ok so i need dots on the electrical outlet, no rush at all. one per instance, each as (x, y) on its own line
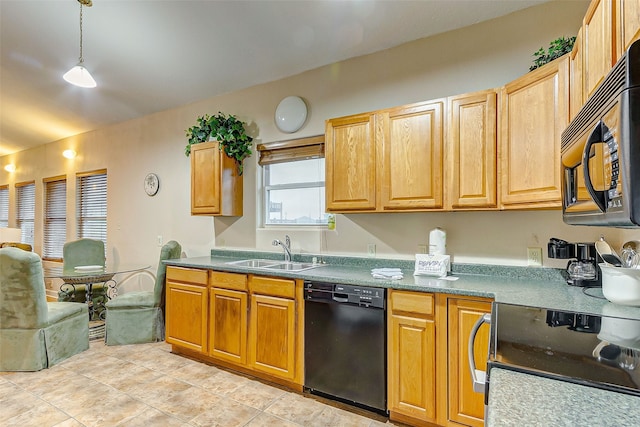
(159, 240)
(422, 249)
(534, 257)
(371, 249)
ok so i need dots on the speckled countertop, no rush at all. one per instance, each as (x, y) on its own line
(538, 287)
(515, 398)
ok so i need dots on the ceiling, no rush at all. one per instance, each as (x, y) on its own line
(150, 56)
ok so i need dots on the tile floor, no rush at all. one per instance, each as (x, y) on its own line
(147, 385)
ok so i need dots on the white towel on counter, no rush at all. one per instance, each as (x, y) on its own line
(387, 273)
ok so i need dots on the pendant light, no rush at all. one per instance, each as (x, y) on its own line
(79, 75)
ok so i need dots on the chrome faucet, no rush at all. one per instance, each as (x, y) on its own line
(286, 246)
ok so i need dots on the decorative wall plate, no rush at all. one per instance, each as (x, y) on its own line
(151, 184)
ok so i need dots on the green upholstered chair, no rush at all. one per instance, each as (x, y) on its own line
(35, 334)
(84, 252)
(137, 317)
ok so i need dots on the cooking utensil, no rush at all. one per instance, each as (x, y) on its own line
(630, 254)
(606, 252)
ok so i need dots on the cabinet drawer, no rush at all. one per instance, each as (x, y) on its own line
(190, 275)
(233, 281)
(271, 286)
(413, 302)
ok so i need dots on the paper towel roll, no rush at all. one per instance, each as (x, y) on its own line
(437, 241)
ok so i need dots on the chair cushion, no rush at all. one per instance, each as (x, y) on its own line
(141, 299)
(61, 310)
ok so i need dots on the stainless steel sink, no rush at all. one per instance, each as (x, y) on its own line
(254, 263)
(293, 266)
(274, 265)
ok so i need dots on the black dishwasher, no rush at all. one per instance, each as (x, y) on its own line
(345, 344)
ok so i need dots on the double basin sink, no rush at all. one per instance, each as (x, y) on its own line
(274, 265)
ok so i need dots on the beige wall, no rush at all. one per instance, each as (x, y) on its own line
(479, 57)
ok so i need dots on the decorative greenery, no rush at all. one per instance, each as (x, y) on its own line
(557, 48)
(227, 130)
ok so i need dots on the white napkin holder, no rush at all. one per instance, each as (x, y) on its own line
(432, 265)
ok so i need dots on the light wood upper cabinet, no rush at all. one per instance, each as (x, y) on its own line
(470, 157)
(410, 140)
(228, 317)
(411, 356)
(272, 328)
(599, 43)
(216, 187)
(466, 406)
(576, 81)
(186, 308)
(350, 159)
(628, 24)
(534, 112)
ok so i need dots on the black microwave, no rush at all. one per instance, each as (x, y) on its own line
(600, 152)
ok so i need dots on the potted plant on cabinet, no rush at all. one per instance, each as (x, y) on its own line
(227, 130)
(557, 48)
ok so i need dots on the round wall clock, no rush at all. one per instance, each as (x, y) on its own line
(151, 184)
(291, 114)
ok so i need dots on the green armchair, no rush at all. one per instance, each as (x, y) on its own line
(84, 252)
(35, 334)
(137, 317)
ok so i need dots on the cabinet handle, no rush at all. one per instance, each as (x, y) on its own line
(477, 377)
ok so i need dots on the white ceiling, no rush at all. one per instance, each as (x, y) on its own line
(149, 56)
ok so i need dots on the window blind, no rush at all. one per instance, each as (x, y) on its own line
(291, 150)
(55, 218)
(26, 195)
(4, 206)
(92, 206)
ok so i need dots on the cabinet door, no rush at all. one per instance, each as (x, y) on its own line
(466, 406)
(350, 159)
(216, 187)
(272, 336)
(534, 114)
(228, 325)
(410, 140)
(186, 315)
(599, 43)
(411, 356)
(576, 82)
(471, 151)
(628, 22)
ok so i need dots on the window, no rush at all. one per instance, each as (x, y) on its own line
(26, 194)
(55, 218)
(92, 205)
(293, 174)
(4, 206)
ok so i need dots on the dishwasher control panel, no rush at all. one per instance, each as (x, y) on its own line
(348, 294)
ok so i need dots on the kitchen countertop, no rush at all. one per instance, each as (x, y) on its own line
(538, 287)
(515, 398)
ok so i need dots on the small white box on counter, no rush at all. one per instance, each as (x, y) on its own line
(432, 265)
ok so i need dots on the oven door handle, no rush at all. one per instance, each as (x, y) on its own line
(478, 377)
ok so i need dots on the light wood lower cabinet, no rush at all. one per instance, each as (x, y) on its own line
(411, 356)
(228, 305)
(186, 308)
(465, 406)
(245, 322)
(428, 374)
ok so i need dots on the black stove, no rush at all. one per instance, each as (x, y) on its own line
(594, 350)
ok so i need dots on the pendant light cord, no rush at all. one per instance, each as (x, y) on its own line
(81, 58)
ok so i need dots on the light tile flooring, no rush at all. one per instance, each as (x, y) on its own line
(147, 385)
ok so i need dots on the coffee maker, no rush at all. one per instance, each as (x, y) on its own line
(582, 268)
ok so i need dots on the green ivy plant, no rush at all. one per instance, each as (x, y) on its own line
(557, 48)
(227, 130)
